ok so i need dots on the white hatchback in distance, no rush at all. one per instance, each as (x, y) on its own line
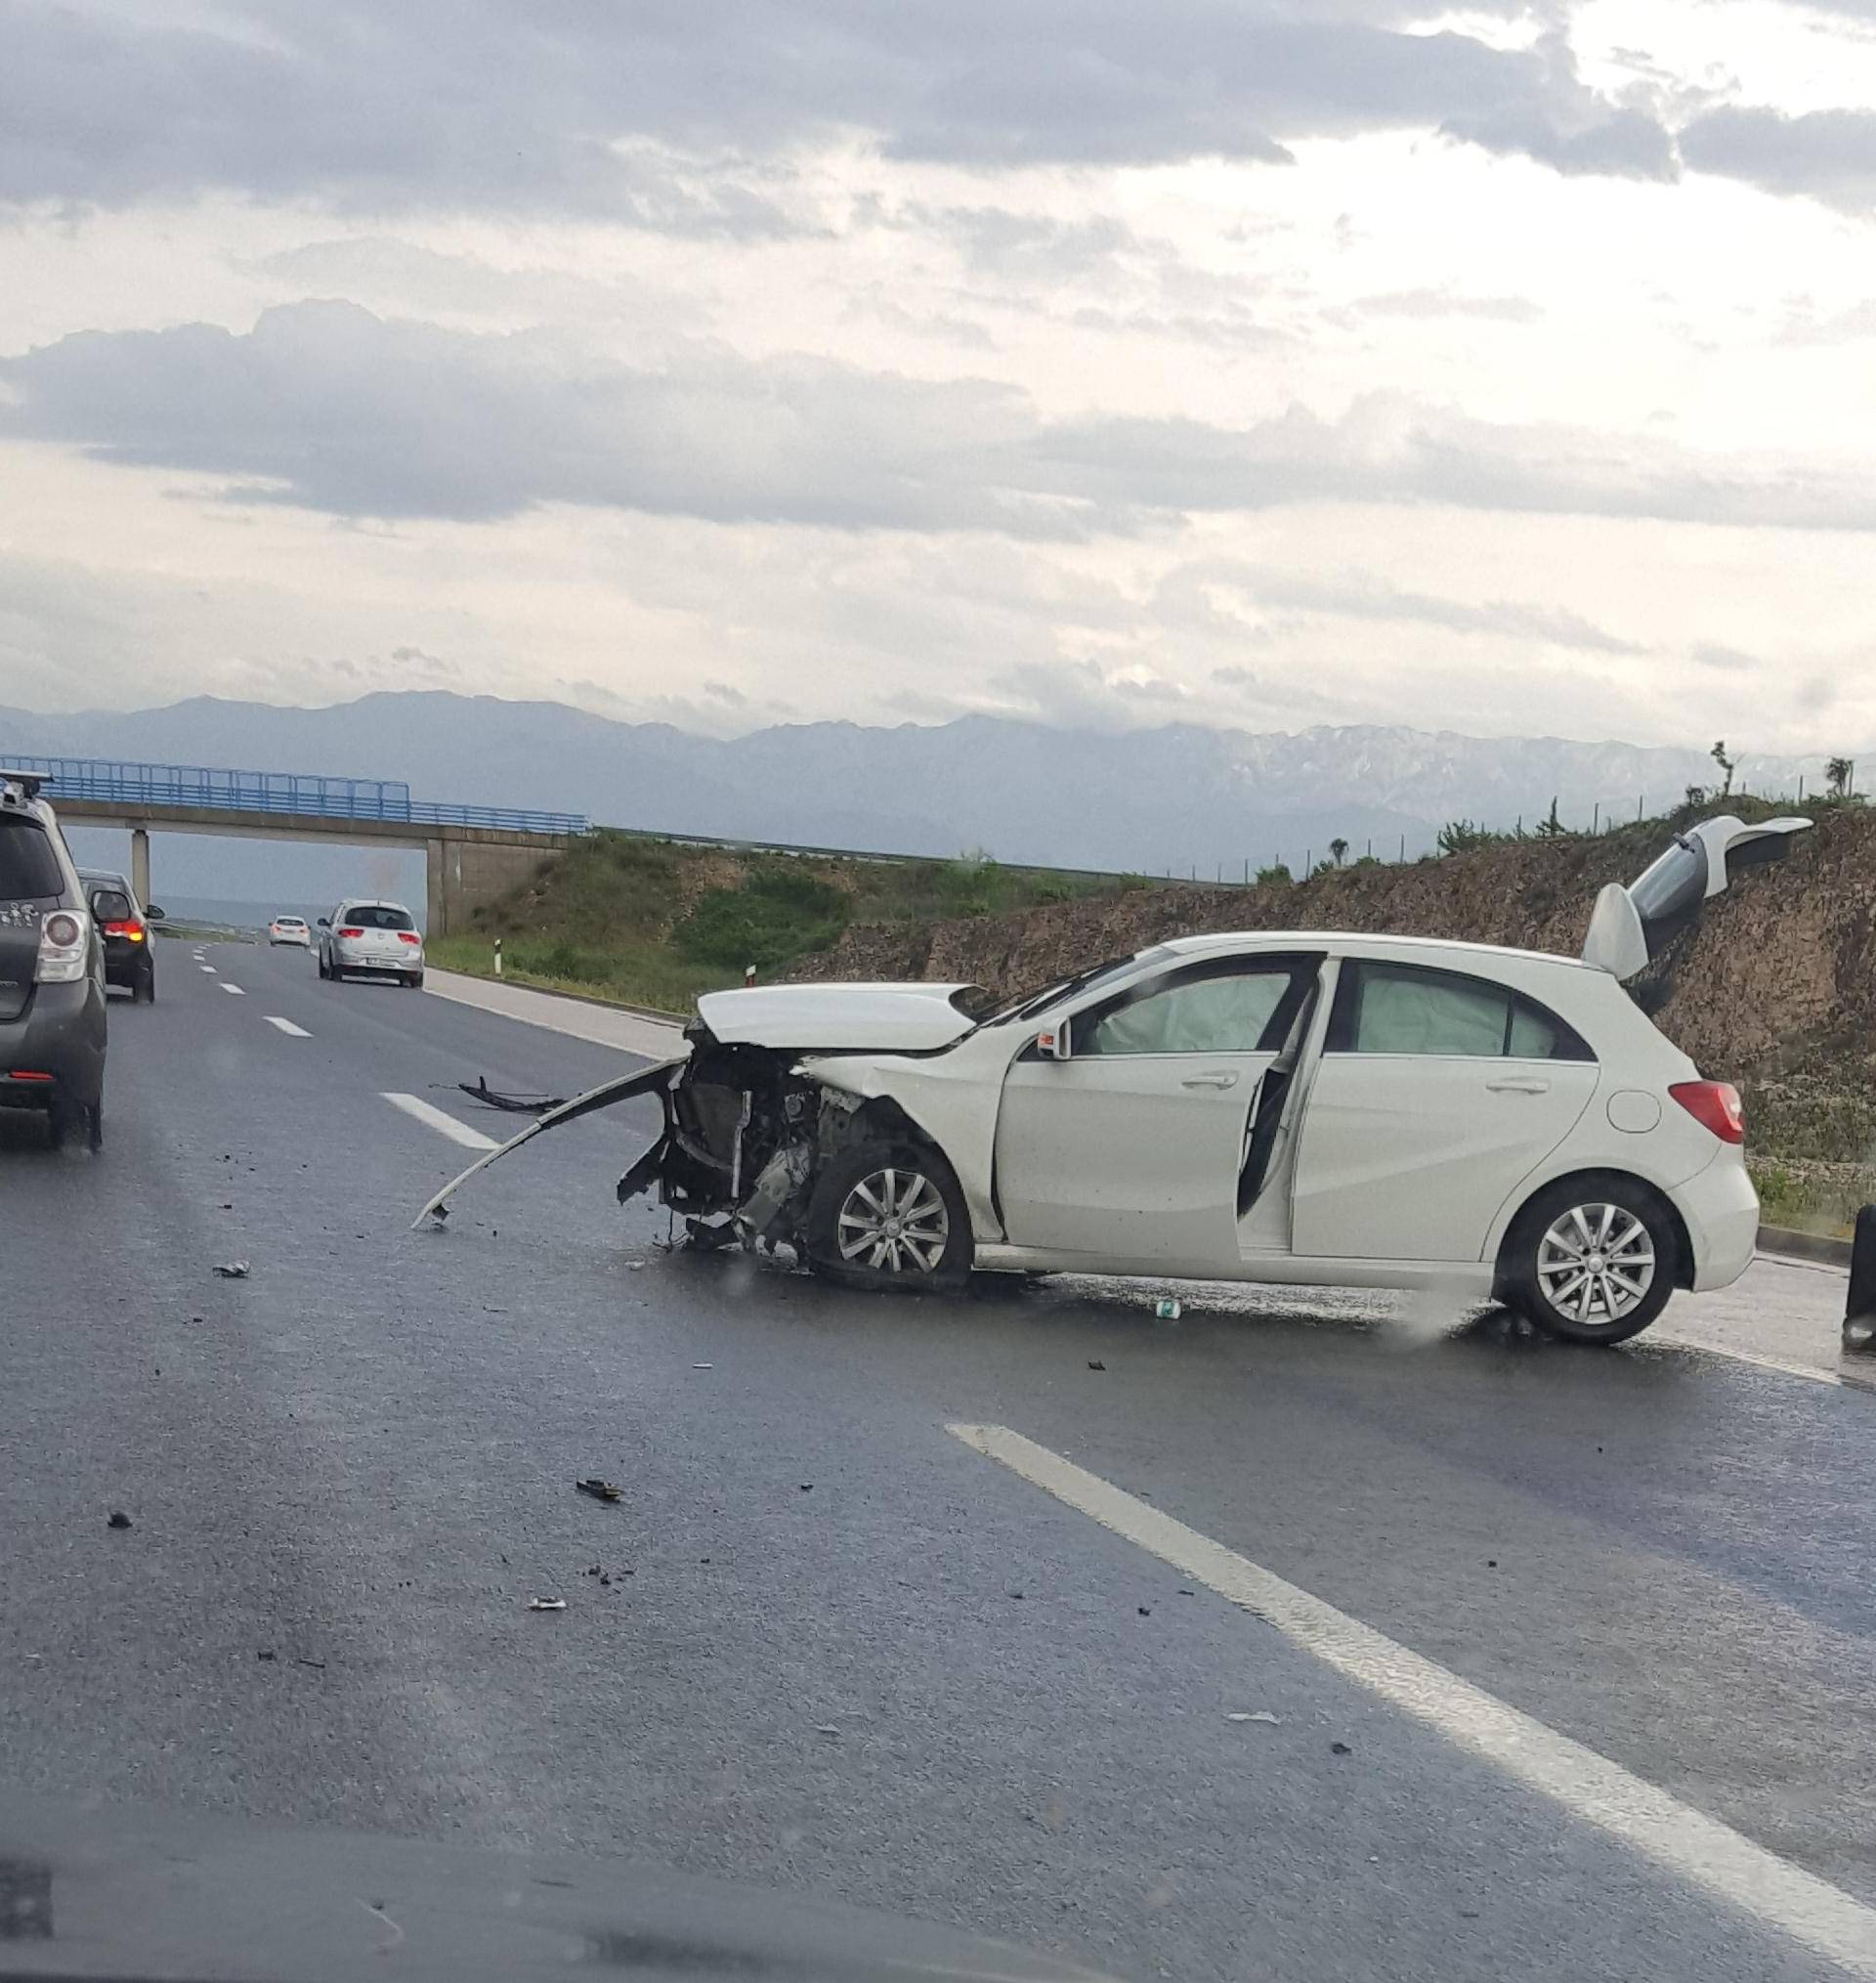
(1305, 1106)
(289, 929)
(371, 939)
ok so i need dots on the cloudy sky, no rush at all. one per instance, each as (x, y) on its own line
(1118, 361)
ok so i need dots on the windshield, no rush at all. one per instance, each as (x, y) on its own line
(29, 867)
(1027, 1004)
(371, 915)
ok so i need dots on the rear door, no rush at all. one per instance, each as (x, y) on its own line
(1436, 1094)
(31, 883)
(1132, 1149)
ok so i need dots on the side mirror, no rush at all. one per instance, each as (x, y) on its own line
(1052, 1042)
(325, 923)
(152, 913)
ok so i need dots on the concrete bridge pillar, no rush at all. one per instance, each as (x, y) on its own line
(140, 864)
(467, 868)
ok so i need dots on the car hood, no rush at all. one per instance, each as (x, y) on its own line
(897, 1019)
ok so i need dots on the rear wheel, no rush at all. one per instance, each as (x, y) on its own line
(890, 1214)
(144, 991)
(1590, 1260)
(64, 1121)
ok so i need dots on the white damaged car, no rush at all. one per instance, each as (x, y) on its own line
(1298, 1107)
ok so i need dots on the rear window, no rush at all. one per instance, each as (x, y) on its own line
(29, 870)
(291, 922)
(363, 916)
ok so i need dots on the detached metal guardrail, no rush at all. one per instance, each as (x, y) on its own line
(114, 782)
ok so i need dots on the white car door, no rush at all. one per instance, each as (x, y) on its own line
(1438, 1092)
(1131, 1149)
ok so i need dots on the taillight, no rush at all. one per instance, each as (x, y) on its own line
(409, 936)
(351, 932)
(1715, 1106)
(134, 930)
(63, 948)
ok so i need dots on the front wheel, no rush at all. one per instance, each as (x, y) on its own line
(1590, 1260)
(890, 1215)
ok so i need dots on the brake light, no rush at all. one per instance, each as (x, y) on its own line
(351, 932)
(409, 936)
(1715, 1106)
(63, 948)
(25, 1074)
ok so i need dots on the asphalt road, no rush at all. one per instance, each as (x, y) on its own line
(840, 1650)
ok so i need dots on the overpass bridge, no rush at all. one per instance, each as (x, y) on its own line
(473, 854)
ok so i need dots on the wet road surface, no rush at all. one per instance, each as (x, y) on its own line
(832, 1648)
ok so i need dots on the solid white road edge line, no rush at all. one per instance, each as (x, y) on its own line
(447, 1125)
(1752, 1356)
(1684, 1841)
(234, 988)
(287, 1027)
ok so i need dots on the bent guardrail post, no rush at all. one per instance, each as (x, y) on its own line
(1859, 1308)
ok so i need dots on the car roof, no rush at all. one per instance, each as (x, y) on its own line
(104, 875)
(371, 902)
(1422, 949)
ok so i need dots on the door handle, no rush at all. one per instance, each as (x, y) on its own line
(1519, 1083)
(1225, 1077)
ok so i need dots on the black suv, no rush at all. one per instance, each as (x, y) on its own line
(52, 970)
(125, 928)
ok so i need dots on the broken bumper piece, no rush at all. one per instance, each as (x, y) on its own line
(657, 1079)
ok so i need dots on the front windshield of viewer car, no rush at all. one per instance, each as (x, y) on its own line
(1065, 1166)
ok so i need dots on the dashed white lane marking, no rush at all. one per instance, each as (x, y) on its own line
(444, 1125)
(234, 988)
(287, 1027)
(1684, 1841)
(209, 969)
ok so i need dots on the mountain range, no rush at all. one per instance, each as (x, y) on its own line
(1181, 798)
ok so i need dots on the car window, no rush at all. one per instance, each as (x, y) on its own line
(1224, 1012)
(370, 915)
(1407, 1009)
(29, 867)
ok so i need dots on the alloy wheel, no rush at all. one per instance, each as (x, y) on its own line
(1596, 1263)
(894, 1221)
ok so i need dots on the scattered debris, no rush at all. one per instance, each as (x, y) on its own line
(702, 1366)
(1167, 1311)
(548, 1603)
(1017, 1595)
(227, 1208)
(601, 1490)
(264, 1653)
(1145, 1611)
(119, 1519)
(517, 1104)
(1491, 1563)
(1340, 1748)
(1186, 1590)
(1095, 1363)
(319, 1663)
(1263, 1715)
(826, 1728)
(231, 1270)
(606, 1582)
(807, 1486)
(635, 1266)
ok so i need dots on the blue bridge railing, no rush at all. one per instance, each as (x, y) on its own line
(112, 782)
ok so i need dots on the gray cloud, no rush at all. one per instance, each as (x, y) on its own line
(1830, 156)
(1725, 659)
(328, 406)
(1448, 303)
(470, 105)
(1358, 596)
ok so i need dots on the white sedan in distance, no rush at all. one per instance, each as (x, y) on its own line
(371, 939)
(1305, 1108)
(289, 929)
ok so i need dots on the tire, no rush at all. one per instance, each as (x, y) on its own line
(94, 1124)
(64, 1121)
(930, 1248)
(1607, 1219)
(144, 991)
(414, 980)
(321, 963)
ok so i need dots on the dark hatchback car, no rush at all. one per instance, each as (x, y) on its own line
(124, 924)
(52, 971)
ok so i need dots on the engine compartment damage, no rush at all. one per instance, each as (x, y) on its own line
(745, 1135)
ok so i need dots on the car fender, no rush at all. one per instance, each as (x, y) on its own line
(951, 1098)
(1666, 1156)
